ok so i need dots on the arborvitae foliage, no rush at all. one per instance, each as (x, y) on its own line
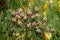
(29, 19)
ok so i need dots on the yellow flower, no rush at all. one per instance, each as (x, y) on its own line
(45, 6)
(47, 35)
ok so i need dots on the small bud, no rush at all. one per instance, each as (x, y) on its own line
(21, 14)
(25, 17)
(14, 34)
(36, 9)
(19, 23)
(47, 28)
(39, 23)
(44, 19)
(13, 13)
(34, 24)
(14, 19)
(20, 10)
(44, 23)
(17, 17)
(33, 16)
(29, 12)
(52, 30)
(37, 15)
(29, 25)
(38, 30)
